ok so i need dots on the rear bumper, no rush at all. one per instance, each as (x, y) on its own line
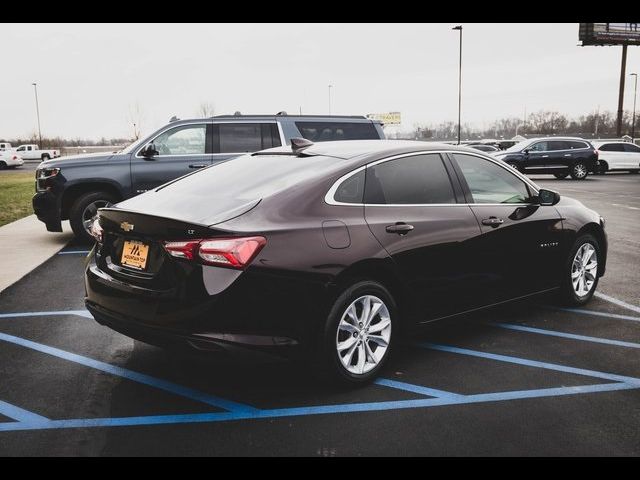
(46, 206)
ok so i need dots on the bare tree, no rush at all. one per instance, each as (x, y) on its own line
(206, 109)
(135, 119)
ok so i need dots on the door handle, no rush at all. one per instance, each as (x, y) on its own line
(544, 156)
(198, 165)
(493, 222)
(567, 154)
(400, 228)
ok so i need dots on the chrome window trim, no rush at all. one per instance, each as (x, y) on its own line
(586, 146)
(330, 200)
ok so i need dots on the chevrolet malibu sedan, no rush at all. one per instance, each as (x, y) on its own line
(333, 250)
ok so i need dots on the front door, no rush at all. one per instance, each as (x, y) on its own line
(180, 150)
(520, 247)
(411, 208)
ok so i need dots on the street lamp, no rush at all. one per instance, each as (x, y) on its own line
(633, 117)
(330, 86)
(459, 28)
(35, 89)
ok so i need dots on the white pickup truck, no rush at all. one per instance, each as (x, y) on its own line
(5, 146)
(33, 152)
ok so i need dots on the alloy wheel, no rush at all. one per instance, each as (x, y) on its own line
(90, 212)
(584, 269)
(579, 171)
(363, 335)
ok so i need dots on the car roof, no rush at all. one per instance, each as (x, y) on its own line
(355, 149)
(560, 138)
(274, 117)
(600, 142)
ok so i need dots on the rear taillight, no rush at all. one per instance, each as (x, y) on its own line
(15, 157)
(223, 252)
(597, 152)
(96, 230)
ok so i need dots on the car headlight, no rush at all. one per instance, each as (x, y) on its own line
(602, 221)
(44, 173)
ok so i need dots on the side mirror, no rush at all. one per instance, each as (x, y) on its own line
(525, 151)
(149, 150)
(547, 197)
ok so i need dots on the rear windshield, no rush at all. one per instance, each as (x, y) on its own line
(329, 131)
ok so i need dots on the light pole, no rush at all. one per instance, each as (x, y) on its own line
(330, 86)
(633, 117)
(459, 28)
(35, 89)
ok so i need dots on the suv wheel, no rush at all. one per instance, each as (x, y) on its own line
(560, 176)
(45, 156)
(84, 210)
(3, 165)
(580, 273)
(357, 336)
(579, 171)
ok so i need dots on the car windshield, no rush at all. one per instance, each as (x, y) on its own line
(518, 147)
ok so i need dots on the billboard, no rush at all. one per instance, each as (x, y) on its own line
(389, 118)
(609, 34)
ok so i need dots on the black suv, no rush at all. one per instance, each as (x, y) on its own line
(75, 187)
(557, 156)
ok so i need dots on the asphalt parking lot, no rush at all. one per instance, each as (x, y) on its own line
(525, 379)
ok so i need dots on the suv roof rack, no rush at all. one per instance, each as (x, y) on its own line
(285, 114)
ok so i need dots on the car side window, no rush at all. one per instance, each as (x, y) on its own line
(181, 140)
(20, 149)
(490, 183)
(351, 190)
(556, 145)
(631, 148)
(245, 137)
(539, 147)
(414, 179)
(576, 145)
(612, 147)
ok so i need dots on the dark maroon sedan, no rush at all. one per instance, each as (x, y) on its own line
(336, 248)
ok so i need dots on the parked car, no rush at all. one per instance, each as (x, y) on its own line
(5, 146)
(334, 249)
(484, 148)
(559, 156)
(75, 187)
(33, 152)
(617, 156)
(9, 159)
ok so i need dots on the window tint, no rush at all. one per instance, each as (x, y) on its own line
(539, 147)
(557, 145)
(628, 147)
(244, 137)
(184, 140)
(573, 145)
(352, 189)
(612, 147)
(417, 179)
(490, 183)
(327, 131)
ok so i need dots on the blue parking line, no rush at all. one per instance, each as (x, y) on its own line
(533, 363)
(81, 313)
(596, 313)
(316, 410)
(72, 252)
(20, 414)
(572, 336)
(410, 387)
(130, 375)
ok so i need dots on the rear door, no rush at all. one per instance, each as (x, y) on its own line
(632, 156)
(412, 209)
(181, 149)
(232, 139)
(521, 243)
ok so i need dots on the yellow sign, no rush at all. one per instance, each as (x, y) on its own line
(134, 254)
(389, 118)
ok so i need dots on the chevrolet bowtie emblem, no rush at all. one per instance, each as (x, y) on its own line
(126, 226)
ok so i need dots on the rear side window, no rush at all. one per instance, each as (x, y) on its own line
(628, 147)
(555, 145)
(417, 179)
(328, 131)
(351, 190)
(573, 145)
(244, 137)
(612, 147)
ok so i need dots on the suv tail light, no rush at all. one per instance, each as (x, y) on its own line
(222, 252)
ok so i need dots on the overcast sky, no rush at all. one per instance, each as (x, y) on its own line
(92, 77)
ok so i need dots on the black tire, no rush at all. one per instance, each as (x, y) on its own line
(568, 295)
(3, 165)
(78, 209)
(602, 168)
(561, 176)
(327, 363)
(45, 156)
(579, 171)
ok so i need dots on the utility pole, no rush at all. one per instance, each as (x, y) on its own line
(330, 98)
(595, 135)
(633, 116)
(623, 68)
(35, 89)
(459, 28)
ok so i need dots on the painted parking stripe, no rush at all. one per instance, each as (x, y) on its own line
(596, 313)
(533, 363)
(572, 336)
(129, 374)
(73, 252)
(20, 414)
(316, 410)
(410, 387)
(81, 313)
(615, 301)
